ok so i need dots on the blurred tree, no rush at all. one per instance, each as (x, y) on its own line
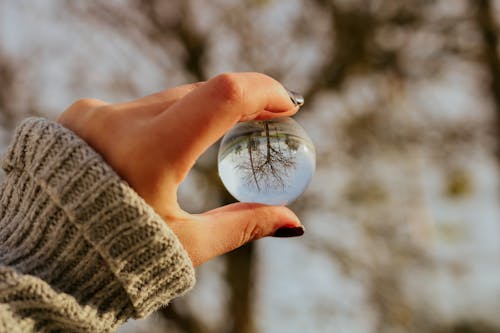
(358, 39)
(16, 98)
(369, 58)
(487, 26)
(8, 79)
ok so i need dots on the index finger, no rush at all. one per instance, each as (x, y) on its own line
(206, 113)
(158, 102)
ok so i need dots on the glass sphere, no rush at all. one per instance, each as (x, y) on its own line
(269, 162)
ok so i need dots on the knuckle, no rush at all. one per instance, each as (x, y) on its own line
(227, 88)
(255, 227)
(84, 104)
(251, 232)
(198, 84)
(257, 232)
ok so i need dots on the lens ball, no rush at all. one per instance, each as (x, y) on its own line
(270, 162)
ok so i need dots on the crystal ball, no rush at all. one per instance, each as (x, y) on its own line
(270, 162)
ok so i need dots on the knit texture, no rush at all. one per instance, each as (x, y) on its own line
(80, 251)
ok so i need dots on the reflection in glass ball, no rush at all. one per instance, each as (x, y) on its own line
(269, 162)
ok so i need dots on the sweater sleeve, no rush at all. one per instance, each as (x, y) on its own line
(80, 251)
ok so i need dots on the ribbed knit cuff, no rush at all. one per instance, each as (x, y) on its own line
(94, 237)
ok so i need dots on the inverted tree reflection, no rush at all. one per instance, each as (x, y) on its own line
(270, 158)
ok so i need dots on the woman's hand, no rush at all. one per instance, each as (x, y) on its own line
(153, 142)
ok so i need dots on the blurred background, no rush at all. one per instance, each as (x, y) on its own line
(402, 102)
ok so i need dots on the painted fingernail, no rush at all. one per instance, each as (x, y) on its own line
(297, 99)
(289, 232)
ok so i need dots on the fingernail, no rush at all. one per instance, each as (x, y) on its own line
(297, 99)
(289, 232)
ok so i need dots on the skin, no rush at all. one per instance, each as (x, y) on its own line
(154, 141)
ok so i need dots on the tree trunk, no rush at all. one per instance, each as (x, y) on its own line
(240, 281)
(486, 23)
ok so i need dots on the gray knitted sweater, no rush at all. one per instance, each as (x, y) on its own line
(80, 251)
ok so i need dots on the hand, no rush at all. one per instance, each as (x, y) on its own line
(153, 142)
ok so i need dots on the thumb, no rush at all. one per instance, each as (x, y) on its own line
(226, 228)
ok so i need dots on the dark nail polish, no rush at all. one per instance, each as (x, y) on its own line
(289, 232)
(297, 99)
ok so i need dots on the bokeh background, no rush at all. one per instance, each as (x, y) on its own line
(402, 102)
